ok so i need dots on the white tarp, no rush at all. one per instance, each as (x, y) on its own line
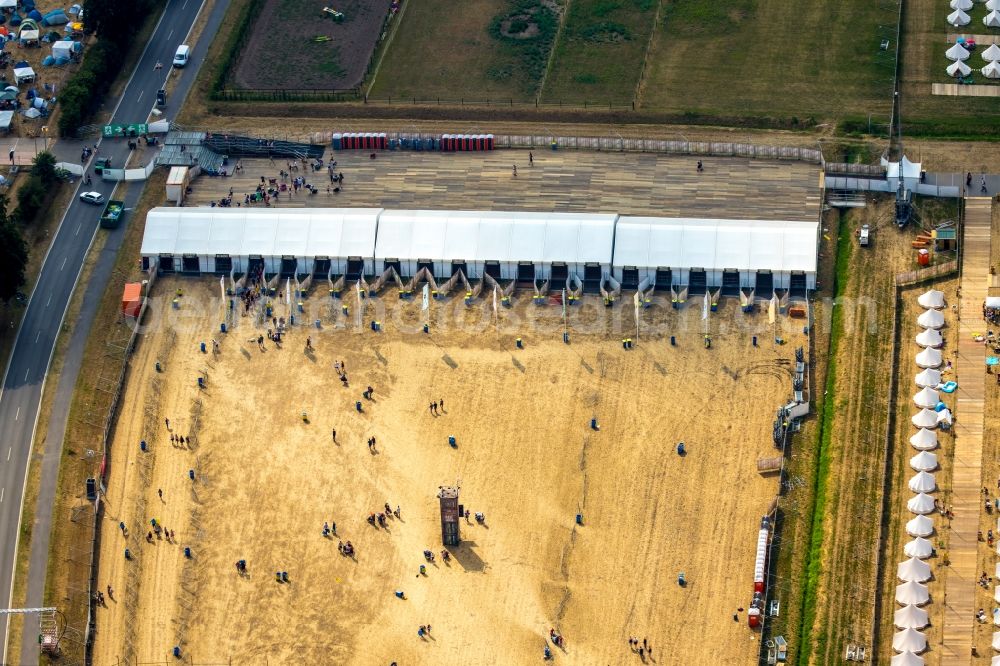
(909, 640)
(931, 299)
(928, 377)
(920, 526)
(957, 52)
(930, 319)
(927, 397)
(991, 70)
(929, 358)
(958, 68)
(910, 617)
(924, 440)
(925, 418)
(919, 547)
(929, 337)
(921, 503)
(912, 592)
(925, 461)
(992, 20)
(907, 659)
(922, 482)
(958, 18)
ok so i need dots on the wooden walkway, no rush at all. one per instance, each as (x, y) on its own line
(966, 499)
(973, 90)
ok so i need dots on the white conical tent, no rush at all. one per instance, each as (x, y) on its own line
(944, 416)
(956, 52)
(991, 52)
(929, 337)
(920, 526)
(995, 661)
(958, 68)
(925, 418)
(912, 592)
(929, 358)
(913, 569)
(927, 397)
(996, 594)
(921, 503)
(964, 5)
(919, 547)
(922, 482)
(931, 318)
(928, 377)
(910, 617)
(992, 69)
(925, 461)
(924, 440)
(909, 640)
(992, 5)
(907, 659)
(996, 640)
(992, 20)
(958, 17)
(932, 298)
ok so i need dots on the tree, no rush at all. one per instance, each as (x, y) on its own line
(44, 168)
(30, 199)
(113, 19)
(13, 254)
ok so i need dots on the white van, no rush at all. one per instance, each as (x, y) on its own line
(863, 236)
(182, 55)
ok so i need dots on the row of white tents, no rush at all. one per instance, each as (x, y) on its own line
(914, 571)
(959, 17)
(959, 68)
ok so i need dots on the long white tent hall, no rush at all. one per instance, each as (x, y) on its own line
(640, 252)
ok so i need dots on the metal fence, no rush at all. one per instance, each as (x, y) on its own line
(848, 169)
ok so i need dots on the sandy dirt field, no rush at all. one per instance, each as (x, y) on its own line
(265, 481)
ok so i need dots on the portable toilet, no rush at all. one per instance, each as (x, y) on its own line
(338, 141)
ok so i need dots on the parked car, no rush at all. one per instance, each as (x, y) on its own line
(92, 198)
(864, 236)
(182, 55)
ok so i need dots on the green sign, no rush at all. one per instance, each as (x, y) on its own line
(134, 129)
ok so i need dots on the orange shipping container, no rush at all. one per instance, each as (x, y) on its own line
(132, 299)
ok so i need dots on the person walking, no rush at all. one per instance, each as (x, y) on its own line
(441, 404)
(514, 170)
(531, 159)
(334, 435)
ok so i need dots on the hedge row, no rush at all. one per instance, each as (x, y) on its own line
(85, 91)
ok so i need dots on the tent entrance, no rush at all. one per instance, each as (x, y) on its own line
(664, 278)
(355, 268)
(393, 263)
(426, 263)
(730, 283)
(697, 282)
(492, 268)
(525, 271)
(145, 263)
(630, 277)
(255, 266)
(223, 264)
(288, 266)
(321, 267)
(560, 273)
(190, 264)
(765, 284)
(592, 276)
(459, 265)
(797, 284)
(166, 263)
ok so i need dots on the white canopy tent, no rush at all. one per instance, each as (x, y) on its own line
(646, 246)
(925, 461)
(919, 547)
(912, 592)
(928, 377)
(991, 70)
(909, 640)
(8, 4)
(927, 398)
(910, 617)
(957, 52)
(906, 659)
(913, 569)
(924, 440)
(958, 18)
(929, 357)
(930, 319)
(991, 52)
(929, 337)
(992, 20)
(921, 503)
(922, 482)
(920, 526)
(925, 418)
(964, 5)
(931, 299)
(958, 68)
(944, 416)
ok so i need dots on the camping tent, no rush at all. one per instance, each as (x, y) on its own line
(996, 640)
(921, 503)
(958, 68)
(924, 440)
(920, 526)
(958, 18)
(991, 52)
(65, 49)
(930, 319)
(957, 52)
(909, 640)
(944, 416)
(992, 20)
(910, 617)
(964, 5)
(919, 547)
(927, 397)
(922, 482)
(931, 298)
(925, 461)
(23, 75)
(925, 418)
(912, 592)
(991, 70)
(929, 377)
(907, 659)
(8, 4)
(913, 569)
(929, 337)
(6, 118)
(928, 358)
(995, 661)
(992, 5)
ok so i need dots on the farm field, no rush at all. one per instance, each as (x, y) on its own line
(281, 52)
(266, 481)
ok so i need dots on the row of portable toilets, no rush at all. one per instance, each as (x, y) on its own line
(381, 141)
(914, 571)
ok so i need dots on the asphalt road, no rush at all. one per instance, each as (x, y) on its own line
(24, 380)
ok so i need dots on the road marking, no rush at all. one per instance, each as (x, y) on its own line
(38, 336)
(8, 452)
(170, 34)
(77, 233)
(48, 301)
(1, 494)
(26, 374)
(18, 414)
(140, 95)
(63, 263)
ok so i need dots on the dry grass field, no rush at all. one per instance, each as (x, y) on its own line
(266, 481)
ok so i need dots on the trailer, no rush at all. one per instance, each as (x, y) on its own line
(113, 213)
(177, 183)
